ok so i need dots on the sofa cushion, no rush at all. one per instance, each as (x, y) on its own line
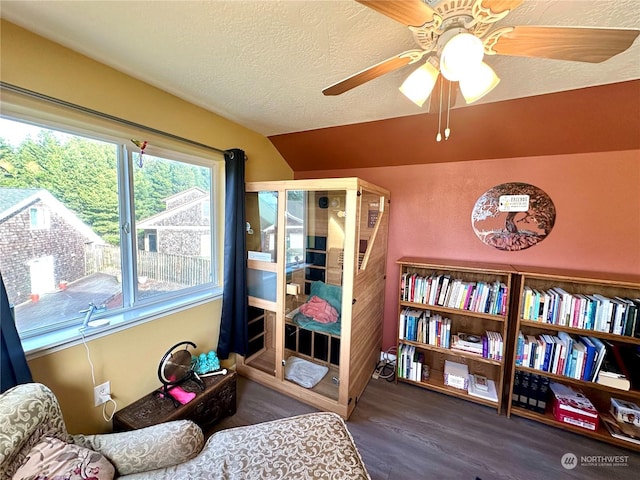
(28, 412)
(311, 446)
(52, 458)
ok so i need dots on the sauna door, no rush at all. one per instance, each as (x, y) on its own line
(314, 254)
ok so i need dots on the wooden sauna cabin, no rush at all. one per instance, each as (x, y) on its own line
(316, 279)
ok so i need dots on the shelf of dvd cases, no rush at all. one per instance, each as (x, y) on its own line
(453, 311)
(578, 329)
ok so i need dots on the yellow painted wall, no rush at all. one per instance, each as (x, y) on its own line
(128, 359)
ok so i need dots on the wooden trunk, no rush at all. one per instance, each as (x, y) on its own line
(216, 401)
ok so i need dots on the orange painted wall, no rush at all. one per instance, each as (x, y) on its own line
(596, 195)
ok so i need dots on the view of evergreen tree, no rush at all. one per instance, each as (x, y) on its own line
(82, 174)
(160, 178)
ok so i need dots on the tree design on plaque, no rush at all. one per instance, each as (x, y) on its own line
(513, 216)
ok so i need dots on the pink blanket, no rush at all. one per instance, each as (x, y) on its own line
(320, 310)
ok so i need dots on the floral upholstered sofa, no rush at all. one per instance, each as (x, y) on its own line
(34, 444)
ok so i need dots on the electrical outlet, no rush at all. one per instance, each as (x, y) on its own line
(102, 393)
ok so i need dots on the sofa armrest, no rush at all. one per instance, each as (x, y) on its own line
(157, 446)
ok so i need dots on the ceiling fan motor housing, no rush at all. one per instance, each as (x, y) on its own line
(451, 14)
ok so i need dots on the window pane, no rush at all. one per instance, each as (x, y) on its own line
(294, 238)
(172, 202)
(59, 225)
(262, 284)
(261, 209)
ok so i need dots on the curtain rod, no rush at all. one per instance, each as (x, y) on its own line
(80, 108)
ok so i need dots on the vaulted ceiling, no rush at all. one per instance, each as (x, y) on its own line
(264, 64)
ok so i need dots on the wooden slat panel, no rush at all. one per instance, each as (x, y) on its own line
(368, 311)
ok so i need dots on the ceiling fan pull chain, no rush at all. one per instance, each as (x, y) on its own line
(439, 136)
(447, 130)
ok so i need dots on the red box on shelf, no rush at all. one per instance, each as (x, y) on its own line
(573, 407)
(575, 419)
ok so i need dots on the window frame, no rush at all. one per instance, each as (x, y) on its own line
(44, 115)
(43, 220)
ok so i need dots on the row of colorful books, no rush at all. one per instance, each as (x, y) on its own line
(443, 290)
(578, 357)
(490, 345)
(618, 315)
(410, 362)
(425, 326)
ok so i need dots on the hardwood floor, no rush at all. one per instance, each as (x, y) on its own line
(405, 432)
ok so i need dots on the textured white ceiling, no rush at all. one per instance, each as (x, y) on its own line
(264, 63)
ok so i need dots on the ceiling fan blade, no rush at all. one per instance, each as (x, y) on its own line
(499, 6)
(375, 71)
(413, 13)
(578, 44)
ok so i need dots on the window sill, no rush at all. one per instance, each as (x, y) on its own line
(51, 342)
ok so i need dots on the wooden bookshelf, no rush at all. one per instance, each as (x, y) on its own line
(489, 313)
(575, 283)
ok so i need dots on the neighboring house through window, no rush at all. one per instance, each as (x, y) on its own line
(81, 223)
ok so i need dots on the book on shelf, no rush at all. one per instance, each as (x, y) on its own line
(613, 372)
(494, 345)
(523, 400)
(410, 363)
(467, 343)
(456, 375)
(530, 391)
(625, 411)
(621, 383)
(621, 430)
(515, 394)
(474, 390)
(631, 326)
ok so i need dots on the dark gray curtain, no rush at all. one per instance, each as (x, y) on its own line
(14, 368)
(233, 327)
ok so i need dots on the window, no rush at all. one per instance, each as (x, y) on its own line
(38, 218)
(295, 217)
(81, 223)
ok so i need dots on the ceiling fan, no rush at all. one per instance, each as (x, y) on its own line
(454, 36)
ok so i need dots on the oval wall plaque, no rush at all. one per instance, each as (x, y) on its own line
(513, 216)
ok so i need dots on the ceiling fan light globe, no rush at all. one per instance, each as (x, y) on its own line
(462, 53)
(418, 86)
(478, 83)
